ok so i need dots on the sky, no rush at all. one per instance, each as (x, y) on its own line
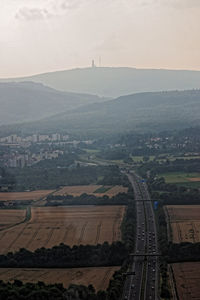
(38, 36)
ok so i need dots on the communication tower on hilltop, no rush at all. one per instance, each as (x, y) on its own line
(93, 64)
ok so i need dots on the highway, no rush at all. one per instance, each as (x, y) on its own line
(142, 281)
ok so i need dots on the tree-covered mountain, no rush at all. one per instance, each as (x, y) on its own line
(143, 112)
(115, 82)
(28, 101)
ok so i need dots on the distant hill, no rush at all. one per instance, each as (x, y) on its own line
(115, 82)
(28, 101)
(143, 112)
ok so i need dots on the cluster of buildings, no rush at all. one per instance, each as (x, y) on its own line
(35, 138)
(16, 160)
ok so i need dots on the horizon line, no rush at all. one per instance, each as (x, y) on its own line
(97, 67)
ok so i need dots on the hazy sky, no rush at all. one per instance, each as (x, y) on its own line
(46, 35)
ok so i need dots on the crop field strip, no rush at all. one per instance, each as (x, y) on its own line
(98, 277)
(78, 190)
(180, 177)
(92, 190)
(23, 196)
(50, 226)
(10, 217)
(184, 222)
(187, 278)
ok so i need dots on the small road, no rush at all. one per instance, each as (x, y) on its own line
(142, 283)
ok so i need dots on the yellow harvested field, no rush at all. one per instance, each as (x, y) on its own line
(116, 190)
(9, 217)
(194, 179)
(90, 189)
(184, 222)
(187, 278)
(77, 190)
(50, 226)
(98, 277)
(34, 195)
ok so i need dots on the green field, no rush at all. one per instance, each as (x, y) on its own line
(172, 158)
(139, 158)
(92, 151)
(181, 178)
(163, 157)
(102, 189)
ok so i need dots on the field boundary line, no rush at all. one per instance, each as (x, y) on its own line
(82, 233)
(50, 235)
(107, 273)
(25, 220)
(173, 283)
(98, 232)
(4, 233)
(17, 237)
(33, 237)
(179, 232)
(114, 229)
(169, 228)
(66, 232)
(35, 203)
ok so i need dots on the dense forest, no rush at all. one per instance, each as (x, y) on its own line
(39, 177)
(63, 256)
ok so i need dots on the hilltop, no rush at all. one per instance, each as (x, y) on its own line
(115, 82)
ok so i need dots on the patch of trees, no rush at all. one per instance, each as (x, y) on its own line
(40, 291)
(163, 246)
(183, 252)
(33, 178)
(64, 160)
(114, 154)
(7, 180)
(128, 226)
(85, 199)
(190, 197)
(171, 194)
(112, 176)
(63, 256)
(178, 165)
(15, 204)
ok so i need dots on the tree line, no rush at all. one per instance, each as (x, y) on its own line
(85, 199)
(64, 256)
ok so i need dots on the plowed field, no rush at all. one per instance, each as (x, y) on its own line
(184, 222)
(50, 226)
(98, 277)
(187, 278)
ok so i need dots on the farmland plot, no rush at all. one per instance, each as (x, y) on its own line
(187, 278)
(50, 226)
(33, 195)
(184, 222)
(98, 277)
(9, 217)
(116, 190)
(77, 190)
(97, 190)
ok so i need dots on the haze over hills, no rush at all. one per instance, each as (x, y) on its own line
(115, 82)
(143, 112)
(28, 101)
